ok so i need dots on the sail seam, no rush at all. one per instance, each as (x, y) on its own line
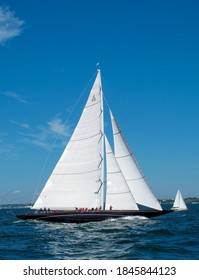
(114, 172)
(92, 104)
(75, 140)
(118, 193)
(135, 179)
(119, 132)
(125, 156)
(76, 173)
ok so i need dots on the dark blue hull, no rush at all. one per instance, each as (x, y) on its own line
(95, 216)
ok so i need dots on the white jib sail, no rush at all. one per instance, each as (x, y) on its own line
(179, 202)
(77, 178)
(132, 173)
(118, 193)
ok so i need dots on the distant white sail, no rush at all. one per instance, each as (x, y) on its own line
(118, 193)
(132, 173)
(179, 203)
(78, 177)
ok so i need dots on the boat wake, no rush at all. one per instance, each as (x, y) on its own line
(17, 222)
(134, 218)
(129, 218)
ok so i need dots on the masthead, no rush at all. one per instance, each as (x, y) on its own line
(98, 66)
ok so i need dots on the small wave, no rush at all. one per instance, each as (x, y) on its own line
(128, 218)
(134, 218)
(112, 220)
(17, 222)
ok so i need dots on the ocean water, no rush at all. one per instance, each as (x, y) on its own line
(171, 237)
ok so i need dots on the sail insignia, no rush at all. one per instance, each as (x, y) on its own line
(93, 99)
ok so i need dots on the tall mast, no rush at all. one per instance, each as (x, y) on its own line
(103, 170)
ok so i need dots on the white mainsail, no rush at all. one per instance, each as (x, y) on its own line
(77, 180)
(132, 173)
(118, 193)
(179, 203)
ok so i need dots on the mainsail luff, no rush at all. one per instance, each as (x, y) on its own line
(77, 180)
(132, 172)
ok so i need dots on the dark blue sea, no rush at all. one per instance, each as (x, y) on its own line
(171, 237)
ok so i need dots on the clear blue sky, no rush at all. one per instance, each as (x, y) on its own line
(149, 57)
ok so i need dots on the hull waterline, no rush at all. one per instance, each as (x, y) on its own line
(96, 216)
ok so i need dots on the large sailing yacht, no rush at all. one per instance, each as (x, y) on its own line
(90, 182)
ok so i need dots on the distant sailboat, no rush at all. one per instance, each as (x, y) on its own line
(179, 203)
(91, 182)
